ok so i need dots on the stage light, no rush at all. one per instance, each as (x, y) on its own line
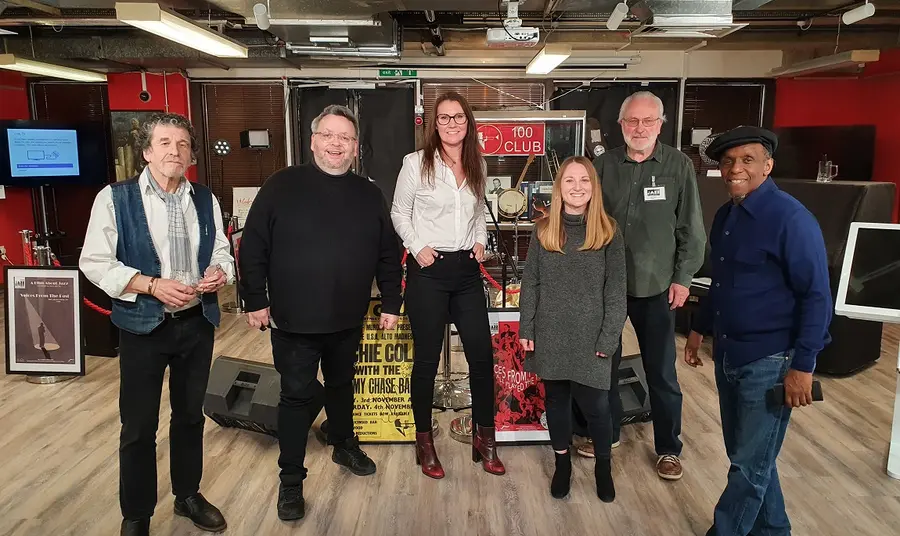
(221, 148)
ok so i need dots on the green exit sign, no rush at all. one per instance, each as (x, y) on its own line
(398, 73)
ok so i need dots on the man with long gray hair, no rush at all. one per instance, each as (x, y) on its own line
(155, 244)
(650, 189)
(316, 237)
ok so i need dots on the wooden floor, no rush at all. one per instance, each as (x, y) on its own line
(59, 468)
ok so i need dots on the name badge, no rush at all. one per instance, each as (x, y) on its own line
(655, 193)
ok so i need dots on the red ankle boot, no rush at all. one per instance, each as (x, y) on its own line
(426, 456)
(484, 450)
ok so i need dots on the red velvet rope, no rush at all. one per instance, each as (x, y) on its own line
(88, 302)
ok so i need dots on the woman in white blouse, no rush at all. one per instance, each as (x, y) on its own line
(438, 211)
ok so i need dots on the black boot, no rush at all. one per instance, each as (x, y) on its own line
(352, 457)
(290, 502)
(562, 477)
(603, 474)
(135, 527)
(204, 515)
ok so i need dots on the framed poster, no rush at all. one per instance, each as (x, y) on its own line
(519, 397)
(126, 127)
(382, 409)
(43, 321)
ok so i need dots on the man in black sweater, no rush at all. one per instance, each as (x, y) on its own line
(315, 238)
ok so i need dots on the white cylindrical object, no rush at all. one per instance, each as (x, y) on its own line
(262, 16)
(617, 16)
(858, 13)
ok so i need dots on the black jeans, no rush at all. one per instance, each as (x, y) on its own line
(654, 325)
(594, 406)
(451, 288)
(185, 345)
(297, 358)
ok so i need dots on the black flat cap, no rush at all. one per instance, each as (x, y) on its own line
(742, 136)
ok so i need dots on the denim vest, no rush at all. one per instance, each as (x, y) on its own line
(135, 249)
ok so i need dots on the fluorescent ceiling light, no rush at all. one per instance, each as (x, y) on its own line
(329, 39)
(172, 26)
(548, 58)
(859, 13)
(7, 32)
(13, 63)
(844, 60)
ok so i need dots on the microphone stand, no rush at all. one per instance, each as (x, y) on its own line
(505, 253)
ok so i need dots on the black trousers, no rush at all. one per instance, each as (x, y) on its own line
(594, 405)
(451, 288)
(185, 345)
(297, 357)
(654, 325)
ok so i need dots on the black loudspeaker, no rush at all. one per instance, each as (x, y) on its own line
(243, 394)
(633, 390)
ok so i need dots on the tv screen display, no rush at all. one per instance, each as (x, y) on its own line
(43, 152)
(870, 276)
(34, 153)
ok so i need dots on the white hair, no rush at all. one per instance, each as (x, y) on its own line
(642, 95)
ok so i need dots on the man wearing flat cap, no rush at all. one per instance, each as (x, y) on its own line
(768, 311)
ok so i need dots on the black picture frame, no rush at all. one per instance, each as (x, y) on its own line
(58, 315)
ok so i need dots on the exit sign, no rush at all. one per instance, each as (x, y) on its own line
(397, 73)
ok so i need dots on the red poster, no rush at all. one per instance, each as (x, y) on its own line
(518, 395)
(512, 139)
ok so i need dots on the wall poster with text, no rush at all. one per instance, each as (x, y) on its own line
(43, 321)
(382, 410)
(519, 397)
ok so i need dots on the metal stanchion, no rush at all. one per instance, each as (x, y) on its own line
(451, 393)
(43, 257)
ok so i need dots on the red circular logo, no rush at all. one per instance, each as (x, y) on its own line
(490, 138)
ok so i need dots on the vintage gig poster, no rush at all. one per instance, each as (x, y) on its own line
(382, 409)
(519, 395)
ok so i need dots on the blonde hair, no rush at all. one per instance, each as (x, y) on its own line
(600, 226)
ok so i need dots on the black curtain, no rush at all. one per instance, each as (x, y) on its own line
(387, 124)
(601, 102)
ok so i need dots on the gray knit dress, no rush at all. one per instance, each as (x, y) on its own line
(572, 306)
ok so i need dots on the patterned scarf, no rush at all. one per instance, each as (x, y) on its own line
(184, 268)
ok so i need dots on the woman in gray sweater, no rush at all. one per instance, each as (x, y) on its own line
(572, 307)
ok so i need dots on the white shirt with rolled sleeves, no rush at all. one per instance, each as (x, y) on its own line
(443, 216)
(98, 259)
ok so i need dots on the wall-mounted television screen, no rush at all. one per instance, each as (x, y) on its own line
(37, 153)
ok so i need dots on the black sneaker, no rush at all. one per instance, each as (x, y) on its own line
(291, 505)
(352, 457)
(135, 527)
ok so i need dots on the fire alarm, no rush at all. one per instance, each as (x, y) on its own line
(419, 120)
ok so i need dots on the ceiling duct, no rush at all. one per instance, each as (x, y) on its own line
(685, 19)
(378, 37)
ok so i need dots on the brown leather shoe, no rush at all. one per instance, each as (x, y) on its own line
(586, 449)
(668, 467)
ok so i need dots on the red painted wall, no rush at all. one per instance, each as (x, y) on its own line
(15, 210)
(167, 94)
(872, 99)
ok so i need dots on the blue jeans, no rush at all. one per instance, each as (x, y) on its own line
(752, 503)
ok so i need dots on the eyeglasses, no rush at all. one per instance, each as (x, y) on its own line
(459, 119)
(632, 122)
(343, 138)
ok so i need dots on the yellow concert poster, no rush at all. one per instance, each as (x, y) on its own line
(382, 409)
